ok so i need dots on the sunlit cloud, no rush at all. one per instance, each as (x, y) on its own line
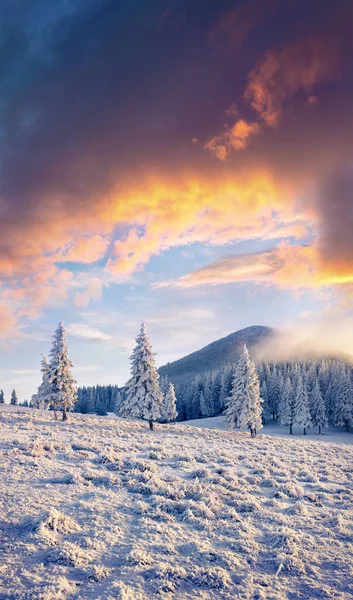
(286, 267)
(299, 66)
(235, 138)
(81, 330)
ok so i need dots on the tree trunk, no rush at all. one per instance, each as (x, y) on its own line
(319, 429)
(64, 413)
(55, 413)
(291, 429)
(347, 425)
(151, 425)
(304, 430)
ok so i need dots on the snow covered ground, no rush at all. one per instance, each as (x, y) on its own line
(101, 508)
(330, 434)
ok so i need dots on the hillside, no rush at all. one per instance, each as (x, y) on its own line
(101, 509)
(216, 355)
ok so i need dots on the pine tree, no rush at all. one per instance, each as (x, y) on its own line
(2, 397)
(169, 411)
(266, 409)
(285, 405)
(42, 398)
(206, 397)
(244, 403)
(317, 406)
(342, 399)
(14, 398)
(300, 408)
(143, 395)
(62, 389)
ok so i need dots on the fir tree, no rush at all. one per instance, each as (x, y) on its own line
(169, 412)
(143, 395)
(62, 389)
(42, 398)
(342, 400)
(300, 408)
(317, 406)
(244, 403)
(285, 405)
(14, 398)
(2, 397)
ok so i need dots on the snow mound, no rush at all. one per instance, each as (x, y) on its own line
(47, 522)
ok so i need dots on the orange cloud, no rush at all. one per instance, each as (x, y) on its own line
(288, 267)
(201, 210)
(282, 74)
(235, 138)
(274, 82)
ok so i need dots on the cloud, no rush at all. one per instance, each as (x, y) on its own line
(287, 267)
(235, 138)
(81, 330)
(96, 139)
(299, 66)
(87, 250)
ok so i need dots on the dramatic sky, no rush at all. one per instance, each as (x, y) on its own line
(185, 162)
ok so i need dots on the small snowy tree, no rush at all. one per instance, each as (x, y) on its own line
(285, 405)
(318, 409)
(2, 397)
(244, 403)
(143, 398)
(14, 398)
(300, 408)
(42, 398)
(169, 412)
(62, 391)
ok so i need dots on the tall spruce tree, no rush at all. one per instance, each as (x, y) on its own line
(244, 403)
(300, 408)
(14, 398)
(62, 386)
(285, 405)
(342, 400)
(2, 397)
(317, 406)
(143, 395)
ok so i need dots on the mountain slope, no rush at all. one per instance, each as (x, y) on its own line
(216, 355)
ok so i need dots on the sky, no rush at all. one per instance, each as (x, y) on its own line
(183, 162)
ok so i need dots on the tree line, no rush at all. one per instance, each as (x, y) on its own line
(308, 393)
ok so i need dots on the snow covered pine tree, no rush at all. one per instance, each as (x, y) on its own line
(317, 407)
(41, 398)
(62, 389)
(244, 403)
(169, 412)
(143, 398)
(300, 408)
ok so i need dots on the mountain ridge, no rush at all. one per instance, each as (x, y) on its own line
(215, 355)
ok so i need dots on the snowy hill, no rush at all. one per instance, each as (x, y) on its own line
(101, 508)
(216, 355)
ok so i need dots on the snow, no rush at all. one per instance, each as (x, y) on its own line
(102, 508)
(335, 435)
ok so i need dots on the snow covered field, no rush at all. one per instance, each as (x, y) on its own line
(102, 508)
(330, 434)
